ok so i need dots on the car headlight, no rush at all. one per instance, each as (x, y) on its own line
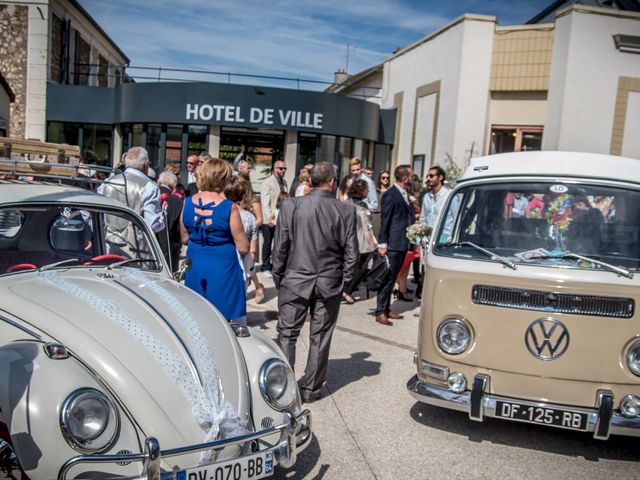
(277, 384)
(89, 420)
(454, 336)
(633, 357)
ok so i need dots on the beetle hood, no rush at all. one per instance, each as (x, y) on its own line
(164, 351)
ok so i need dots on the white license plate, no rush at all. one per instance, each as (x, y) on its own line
(252, 467)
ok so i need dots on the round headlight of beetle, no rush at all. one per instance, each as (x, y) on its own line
(633, 357)
(89, 420)
(454, 336)
(277, 384)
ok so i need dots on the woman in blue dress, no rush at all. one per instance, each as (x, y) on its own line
(212, 229)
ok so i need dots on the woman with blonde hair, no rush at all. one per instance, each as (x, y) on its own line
(212, 228)
(304, 183)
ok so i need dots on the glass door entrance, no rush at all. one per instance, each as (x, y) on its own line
(261, 147)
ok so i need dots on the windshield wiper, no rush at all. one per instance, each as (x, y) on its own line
(57, 264)
(496, 258)
(575, 256)
(131, 260)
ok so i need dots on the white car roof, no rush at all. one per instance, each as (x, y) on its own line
(551, 163)
(18, 192)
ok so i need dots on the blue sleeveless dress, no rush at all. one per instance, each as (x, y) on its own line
(215, 270)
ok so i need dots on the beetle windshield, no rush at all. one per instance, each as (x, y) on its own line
(545, 223)
(36, 236)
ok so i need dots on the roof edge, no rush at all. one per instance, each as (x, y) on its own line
(611, 12)
(462, 18)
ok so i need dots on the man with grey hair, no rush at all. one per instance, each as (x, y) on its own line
(169, 237)
(315, 254)
(133, 188)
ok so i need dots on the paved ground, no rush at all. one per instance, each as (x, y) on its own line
(368, 427)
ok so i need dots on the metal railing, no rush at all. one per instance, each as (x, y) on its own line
(160, 74)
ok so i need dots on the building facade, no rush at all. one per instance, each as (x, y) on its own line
(474, 88)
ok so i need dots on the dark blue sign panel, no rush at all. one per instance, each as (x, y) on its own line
(220, 104)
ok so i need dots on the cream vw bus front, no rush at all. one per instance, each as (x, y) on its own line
(529, 301)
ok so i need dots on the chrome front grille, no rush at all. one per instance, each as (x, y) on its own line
(553, 302)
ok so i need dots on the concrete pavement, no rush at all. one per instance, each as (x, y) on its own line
(367, 426)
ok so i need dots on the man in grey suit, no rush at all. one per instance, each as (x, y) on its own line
(315, 254)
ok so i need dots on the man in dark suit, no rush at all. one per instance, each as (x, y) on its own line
(169, 237)
(395, 217)
(315, 254)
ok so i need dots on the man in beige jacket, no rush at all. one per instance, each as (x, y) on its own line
(272, 186)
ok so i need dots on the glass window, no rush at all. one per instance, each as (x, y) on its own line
(96, 144)
(327, 148)
(173, 150)
(63, 132)
(381, 157)
(544, 223)
(307, 148)
(57, 48)
(515, 139)
(83, 61)
(154, 132)
(137, 137)
(197, 139)
(344, 155)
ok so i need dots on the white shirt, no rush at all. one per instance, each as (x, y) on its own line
(431, 205)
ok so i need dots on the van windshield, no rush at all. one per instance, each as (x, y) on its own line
(545, 223)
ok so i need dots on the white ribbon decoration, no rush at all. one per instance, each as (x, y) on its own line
(214, 414)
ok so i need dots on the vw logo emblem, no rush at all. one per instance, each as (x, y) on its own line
(547, 338)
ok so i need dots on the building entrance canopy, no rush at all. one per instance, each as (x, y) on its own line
(222, 104)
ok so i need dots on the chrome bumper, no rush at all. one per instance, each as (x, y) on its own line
(602, 420)
(295, 435)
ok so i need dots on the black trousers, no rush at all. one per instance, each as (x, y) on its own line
(383, 299)
(361, 270)
(267, 241)
(292, 312)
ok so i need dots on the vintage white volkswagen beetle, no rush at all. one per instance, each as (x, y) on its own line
(109, 368)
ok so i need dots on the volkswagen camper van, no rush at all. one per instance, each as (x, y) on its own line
(529, 300)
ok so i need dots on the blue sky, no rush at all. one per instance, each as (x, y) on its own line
(291, 38)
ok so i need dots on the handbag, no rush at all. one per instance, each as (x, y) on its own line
(378, 273)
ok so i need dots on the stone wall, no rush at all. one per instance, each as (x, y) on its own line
(13, 60)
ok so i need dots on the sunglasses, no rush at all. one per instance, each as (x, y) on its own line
(384, 178)
(281, 168)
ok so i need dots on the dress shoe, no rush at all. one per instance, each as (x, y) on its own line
(394, 315)
(382, 319)
(403, 298)
(311, 398)
(348, 298)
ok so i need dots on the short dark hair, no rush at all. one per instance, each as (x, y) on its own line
(358, 190)
(322, 173)
(440, 171)
(401, 172)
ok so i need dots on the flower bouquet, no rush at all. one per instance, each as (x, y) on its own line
(419, 233)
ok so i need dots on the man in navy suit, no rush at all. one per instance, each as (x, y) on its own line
(396, 215)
